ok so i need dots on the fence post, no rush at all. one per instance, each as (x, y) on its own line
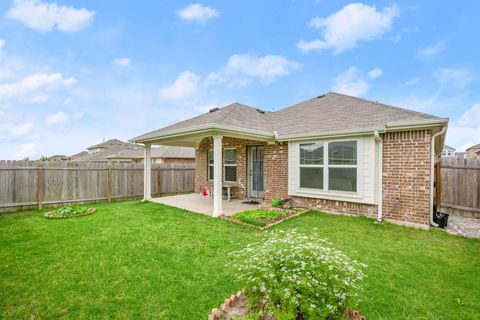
(40, 187)
(159, 180)
(109, 183)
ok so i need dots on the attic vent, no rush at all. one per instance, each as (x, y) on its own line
(260, 111)
(321, 96)
(213, 110)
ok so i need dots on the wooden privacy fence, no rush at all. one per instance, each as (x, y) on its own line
(25, 184)
(460, 185)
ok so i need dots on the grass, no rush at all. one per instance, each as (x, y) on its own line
(257, 217)
(143, 260)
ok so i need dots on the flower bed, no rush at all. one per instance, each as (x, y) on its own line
(263, 218)
(69, 212)
(290, 275)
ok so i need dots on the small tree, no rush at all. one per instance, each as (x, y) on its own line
(43, 158)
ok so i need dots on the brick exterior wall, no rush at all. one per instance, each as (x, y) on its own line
(406, 176)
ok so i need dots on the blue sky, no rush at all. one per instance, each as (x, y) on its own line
(75, 72)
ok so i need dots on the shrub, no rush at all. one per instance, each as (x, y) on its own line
(69, 211)
(290, 275)
(258, 217)
(276, 203)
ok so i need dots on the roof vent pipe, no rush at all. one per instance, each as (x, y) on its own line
(213, 110)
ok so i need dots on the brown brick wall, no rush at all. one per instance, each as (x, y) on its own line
(406, 176)
(333, 206)
(227, 142)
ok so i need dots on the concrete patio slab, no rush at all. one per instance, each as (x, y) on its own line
(198, 203)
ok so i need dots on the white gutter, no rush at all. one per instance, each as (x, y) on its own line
(379, 140)
(432, 172)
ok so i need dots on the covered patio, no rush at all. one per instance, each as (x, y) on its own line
(198, 203)
(235, 128)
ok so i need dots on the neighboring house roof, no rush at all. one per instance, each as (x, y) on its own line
(159, 152)
(446, 147)
(107, 148)
(332, 112)
(475, 147)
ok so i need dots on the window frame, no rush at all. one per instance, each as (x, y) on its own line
(326, 190)
(229, 164)
(300, 165)
(223, 164)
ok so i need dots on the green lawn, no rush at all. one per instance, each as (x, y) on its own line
(142, 260)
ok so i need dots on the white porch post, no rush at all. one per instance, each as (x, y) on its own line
(217, 175)
(147, 173)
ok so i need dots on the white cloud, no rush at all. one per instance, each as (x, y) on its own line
(43, 16)
(412, 81)
(375, 73)
(56, 118)
(26, 150)
(242, 69)
(185, 86)
(197, 13)
(344, 29)
(122, 62)
(33, 87)
(454, 78)
(18, 130)
(2, 43)
(352, 82)
(464, 131)
(428, 52)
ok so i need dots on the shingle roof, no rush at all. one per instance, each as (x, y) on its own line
(477, 146)
(107, 148)
(235, 114)
(159, 152)
(330, 112)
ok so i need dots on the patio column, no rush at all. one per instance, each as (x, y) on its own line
(147, 173)
(217, 175)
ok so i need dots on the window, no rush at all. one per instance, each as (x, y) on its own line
(339, 173)
(210, 165)
(311, 165)
(342, 166)
(230, 165)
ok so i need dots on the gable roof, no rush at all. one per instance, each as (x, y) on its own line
(235, 115)
(474, 147)
(159, 152)
(332, 112)
(107, 148)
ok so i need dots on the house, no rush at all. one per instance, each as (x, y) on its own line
(161, 154)
(334, 153)
(117, 150)
(448, 151)
(473, 152)
(101, 151)
(460, 155)
(58, 157)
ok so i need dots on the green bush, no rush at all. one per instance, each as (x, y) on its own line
(290, 275)
(258, 217)
(68, 211)
(276, 203)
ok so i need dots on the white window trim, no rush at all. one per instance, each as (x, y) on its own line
(224, 164)
(228, 165)
(208, 166)
(325, 191)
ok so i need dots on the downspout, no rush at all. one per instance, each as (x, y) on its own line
(378, 139)
(432, 172)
